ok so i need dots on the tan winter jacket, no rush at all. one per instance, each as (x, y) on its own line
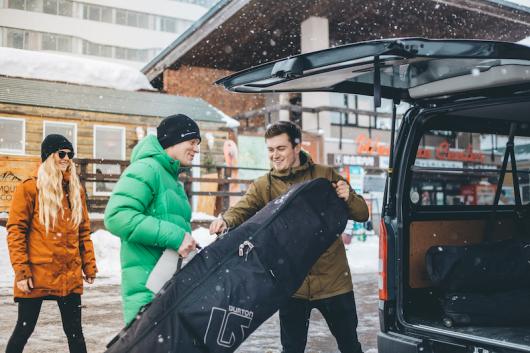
(55, 261)
(330, 275)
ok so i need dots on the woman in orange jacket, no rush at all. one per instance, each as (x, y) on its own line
(49, 244)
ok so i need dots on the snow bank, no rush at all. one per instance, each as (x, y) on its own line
(6, 279)
(200, 216)
(71, 69)
(107, 248)
(196, 216)
(524, 41)
(363, 257)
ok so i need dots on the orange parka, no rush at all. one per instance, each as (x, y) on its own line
(55, 261)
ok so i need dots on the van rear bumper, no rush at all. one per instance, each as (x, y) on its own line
(396, 343)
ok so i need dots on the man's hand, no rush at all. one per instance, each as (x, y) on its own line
(25, 285)
(187, 246)
(343, 189)
(218, 226)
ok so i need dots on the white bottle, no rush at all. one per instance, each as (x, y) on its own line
(165, 268)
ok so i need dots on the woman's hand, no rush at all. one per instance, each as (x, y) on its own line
(25, 285)
(89, 280)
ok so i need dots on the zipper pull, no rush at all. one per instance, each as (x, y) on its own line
(246, 244)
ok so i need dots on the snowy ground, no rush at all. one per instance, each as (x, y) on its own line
(102, 303)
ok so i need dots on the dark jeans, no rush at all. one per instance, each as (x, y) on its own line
(28, 313)
(338, 311)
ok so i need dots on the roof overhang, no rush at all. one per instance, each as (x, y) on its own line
(238, 34)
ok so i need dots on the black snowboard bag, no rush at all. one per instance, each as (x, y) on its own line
(485, 267)
(487, 309)
(232, 286)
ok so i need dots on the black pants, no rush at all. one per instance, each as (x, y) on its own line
(338, 311)
(28, 313)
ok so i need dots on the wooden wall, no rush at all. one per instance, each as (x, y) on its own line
(85, 121)
(36, 116)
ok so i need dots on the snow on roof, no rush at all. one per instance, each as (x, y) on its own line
(525, 41)
(70, 69)
(230, 122)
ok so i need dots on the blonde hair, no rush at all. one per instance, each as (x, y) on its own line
(49, 184)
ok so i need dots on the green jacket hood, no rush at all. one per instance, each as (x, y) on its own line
(149, 147)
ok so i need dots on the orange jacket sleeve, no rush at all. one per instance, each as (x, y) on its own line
(18, 223)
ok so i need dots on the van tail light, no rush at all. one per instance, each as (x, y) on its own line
(383, 262)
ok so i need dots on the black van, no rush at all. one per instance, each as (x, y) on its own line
(458, 175)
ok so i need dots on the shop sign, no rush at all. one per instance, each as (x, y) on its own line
(366, 145)
(8, 184)
(433, 163)
(346, 159)
(443, 152)
(14, 169)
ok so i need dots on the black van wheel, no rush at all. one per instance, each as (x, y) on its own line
(448, 322)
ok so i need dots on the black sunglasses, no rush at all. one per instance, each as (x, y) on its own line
(63, 154)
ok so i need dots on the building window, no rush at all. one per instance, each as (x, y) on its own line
(362, 104)
(17, 38)
(92, 13)
(56, 42)
(109, 143)
(132, 19)
(65, 44)
(106, 51)
(143, 20)
(50, 6)
(17, 4)
(120, 53)
(68, 130)
(12, 136)
(106, 14)
(65, 8)
(49, 42)
(168, 25)
(95, 49)
(121, 17)
(34, 5)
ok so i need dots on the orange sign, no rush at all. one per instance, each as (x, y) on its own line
(443, 152)
(13, 170)
(366, 145)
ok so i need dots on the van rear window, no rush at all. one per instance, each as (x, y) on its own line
(463, 169)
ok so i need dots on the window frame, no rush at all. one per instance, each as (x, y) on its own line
(123, 152)
(52, 122)
(15, 152)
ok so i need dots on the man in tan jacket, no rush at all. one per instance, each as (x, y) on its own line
(328, 286)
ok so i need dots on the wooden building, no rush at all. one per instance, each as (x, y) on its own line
(102, 123)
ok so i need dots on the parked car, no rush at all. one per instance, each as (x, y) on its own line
(458, 174)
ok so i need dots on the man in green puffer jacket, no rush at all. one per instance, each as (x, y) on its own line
(148, 208)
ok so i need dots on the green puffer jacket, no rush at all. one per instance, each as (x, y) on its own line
(330, 275)
(150, 212)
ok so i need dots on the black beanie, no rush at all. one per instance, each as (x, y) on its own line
(53, 143)
(176, 129)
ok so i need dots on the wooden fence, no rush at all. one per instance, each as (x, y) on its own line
(222, 193)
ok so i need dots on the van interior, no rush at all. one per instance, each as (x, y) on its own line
(452, 189)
